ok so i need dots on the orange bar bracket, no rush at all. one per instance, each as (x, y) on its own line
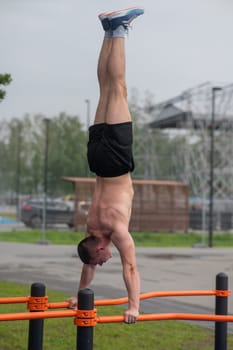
(86, 318)
(38, 303)
(87, 322)
(223, 293)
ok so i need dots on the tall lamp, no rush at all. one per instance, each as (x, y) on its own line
(88, 121)
(211, 183)
(44, 224)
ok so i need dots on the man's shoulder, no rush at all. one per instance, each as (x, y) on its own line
(123, 240)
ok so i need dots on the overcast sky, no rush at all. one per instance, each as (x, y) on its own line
(50, 47)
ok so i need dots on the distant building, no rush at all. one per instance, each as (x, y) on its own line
(157, 205)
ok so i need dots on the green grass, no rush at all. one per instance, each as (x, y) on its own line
(142, 239)
(60, 334)
(32, 236)
(150, 239)
(8, 215)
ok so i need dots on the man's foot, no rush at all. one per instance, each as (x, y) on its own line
(124, 17)
(112, 20)
(104, 19)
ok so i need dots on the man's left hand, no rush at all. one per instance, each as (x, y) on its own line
(72, 303)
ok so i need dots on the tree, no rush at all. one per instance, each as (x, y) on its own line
(66, 151)
(5, 79)
(22, 154)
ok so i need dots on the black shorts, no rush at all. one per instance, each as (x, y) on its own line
(109, 151)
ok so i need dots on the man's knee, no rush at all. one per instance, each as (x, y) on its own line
(119, 88)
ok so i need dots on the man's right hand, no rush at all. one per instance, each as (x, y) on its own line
(131, 316)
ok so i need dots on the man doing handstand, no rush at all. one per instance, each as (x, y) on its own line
(110, 157)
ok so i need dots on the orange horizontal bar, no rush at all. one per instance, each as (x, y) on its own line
(36, 315)
(120, 301)
(116, 319)
(168, 316)
(58, 305)
(14, 300)
(156, 294)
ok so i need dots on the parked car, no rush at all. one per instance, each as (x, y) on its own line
(57, 212)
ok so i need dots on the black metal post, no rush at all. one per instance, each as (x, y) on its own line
(221, 309)
(85, 334)
(36, 327)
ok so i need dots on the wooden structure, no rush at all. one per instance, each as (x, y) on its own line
(157, 205)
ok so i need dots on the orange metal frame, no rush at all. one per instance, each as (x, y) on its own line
(90, 318)
(114, 319)
(17, 300)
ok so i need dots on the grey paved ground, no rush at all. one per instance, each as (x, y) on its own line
(160, 269)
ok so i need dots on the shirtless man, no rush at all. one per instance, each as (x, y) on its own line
(110, 157)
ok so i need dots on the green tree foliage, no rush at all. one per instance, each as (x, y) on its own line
(66, 151)
(23, 146)
(22, 150)
(5, 79)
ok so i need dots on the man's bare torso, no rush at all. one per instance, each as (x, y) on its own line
(111, 203)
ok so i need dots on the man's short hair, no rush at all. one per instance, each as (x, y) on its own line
(84, 249)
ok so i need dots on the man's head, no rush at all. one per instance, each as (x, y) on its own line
(94, 251)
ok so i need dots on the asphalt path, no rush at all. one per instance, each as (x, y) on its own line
(161, 269)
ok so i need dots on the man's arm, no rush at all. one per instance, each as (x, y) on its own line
(125, 244)
(87, 275)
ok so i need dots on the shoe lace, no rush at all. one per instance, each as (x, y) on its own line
(127, 26)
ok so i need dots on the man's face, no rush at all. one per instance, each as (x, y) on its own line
(101, 256)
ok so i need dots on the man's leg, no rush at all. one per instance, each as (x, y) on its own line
(113, 121)
(103, 80)
(117, 107)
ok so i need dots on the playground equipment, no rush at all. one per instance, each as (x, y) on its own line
(86, 318)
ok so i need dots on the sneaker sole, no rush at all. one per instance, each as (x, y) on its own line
(111, 15)
(123, 12)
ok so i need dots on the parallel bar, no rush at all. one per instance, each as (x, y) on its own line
(37, 315)
(120, 301)
(114, 319)
(167, 316)
(14, 300)
(58, 305)
(65, 304)
(157, 294)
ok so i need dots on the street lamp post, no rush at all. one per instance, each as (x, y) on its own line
(88, 102)
(18, 169)
(44, 224)
(211, 183)
(88, 121)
